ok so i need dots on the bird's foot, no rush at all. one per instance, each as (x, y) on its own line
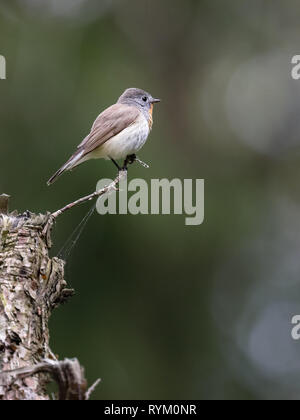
(131, 159)
(128, 161)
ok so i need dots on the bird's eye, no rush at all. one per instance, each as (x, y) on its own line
(144, 98)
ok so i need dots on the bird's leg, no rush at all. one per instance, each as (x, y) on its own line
(115, 163)
(128, 161)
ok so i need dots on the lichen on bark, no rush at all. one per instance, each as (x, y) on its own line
(31, 285)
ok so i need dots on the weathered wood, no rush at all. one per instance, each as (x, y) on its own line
(69, 375)
(4, 200)
(31, 286)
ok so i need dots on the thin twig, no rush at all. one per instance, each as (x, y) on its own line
(92, 389)
(145, 165)
(122, 175)
(112, 186)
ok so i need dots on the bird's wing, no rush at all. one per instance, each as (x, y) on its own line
(108, 124)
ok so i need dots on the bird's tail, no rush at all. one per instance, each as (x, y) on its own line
(70, 164)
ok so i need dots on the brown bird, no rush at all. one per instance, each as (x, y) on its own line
(118, 132)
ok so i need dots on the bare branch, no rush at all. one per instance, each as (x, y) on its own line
(92, 389)
(121, 175)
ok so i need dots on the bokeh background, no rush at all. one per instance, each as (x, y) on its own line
(163, 310)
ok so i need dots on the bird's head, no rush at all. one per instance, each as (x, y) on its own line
(139, 97)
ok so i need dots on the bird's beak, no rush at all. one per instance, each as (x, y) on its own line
(155, 101)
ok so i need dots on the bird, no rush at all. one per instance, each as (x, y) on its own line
(119, 132)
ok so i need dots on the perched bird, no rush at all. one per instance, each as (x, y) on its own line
(118, 132)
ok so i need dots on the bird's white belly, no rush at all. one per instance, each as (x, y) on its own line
(127, 142)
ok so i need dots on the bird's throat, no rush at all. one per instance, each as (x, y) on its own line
(150, 120)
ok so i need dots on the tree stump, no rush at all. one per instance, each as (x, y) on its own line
(31, 285)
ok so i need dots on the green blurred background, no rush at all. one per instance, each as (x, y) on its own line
(163, 310)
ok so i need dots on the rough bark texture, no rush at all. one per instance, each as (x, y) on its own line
(31, 286)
